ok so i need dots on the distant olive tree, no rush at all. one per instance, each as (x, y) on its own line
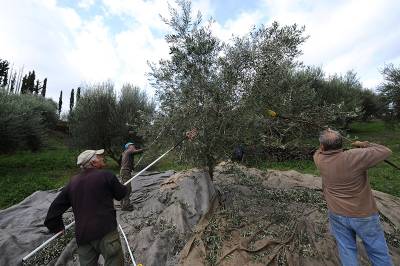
(390, 89)
(25, 121)
(136, 111)
(100, 119)
(372, 105)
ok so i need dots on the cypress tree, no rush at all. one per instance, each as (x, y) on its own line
(24, 86)
(37, 87)
(60, 104)
(31, 81)
(78, 94)
(28, 82)
(71, 100)
(12, 82)
(5, 79)
(43, 92)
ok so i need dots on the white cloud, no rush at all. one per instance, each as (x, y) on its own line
(143, 41)
(85, 4)
(94, 52)
(205, 7)
(238, 26)
(344, 35)
(134, 53)
(142, 12)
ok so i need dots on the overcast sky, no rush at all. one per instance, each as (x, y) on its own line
(77, 41)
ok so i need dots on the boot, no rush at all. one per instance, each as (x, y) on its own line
(126, 205)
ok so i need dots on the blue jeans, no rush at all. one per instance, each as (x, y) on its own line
(369, 229)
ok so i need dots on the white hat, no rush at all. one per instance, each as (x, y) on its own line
(85, 156)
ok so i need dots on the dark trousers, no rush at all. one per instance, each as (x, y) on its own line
(109, 246)
(125, 175)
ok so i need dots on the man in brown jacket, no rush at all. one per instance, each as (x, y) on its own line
(351, 205)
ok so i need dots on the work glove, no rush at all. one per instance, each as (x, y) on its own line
(190, 135)
(360, 144)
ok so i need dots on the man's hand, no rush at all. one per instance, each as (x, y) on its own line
(360, 144)
(190, 135)
(131, 147)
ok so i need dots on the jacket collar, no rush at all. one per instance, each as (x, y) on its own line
(331, 152)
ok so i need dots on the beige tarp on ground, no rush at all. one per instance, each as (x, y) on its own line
(275, 218)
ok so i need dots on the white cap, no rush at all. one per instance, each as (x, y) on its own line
(85, 156)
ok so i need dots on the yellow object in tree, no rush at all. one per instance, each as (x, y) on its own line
(271, 113)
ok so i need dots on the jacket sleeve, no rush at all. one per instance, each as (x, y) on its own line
(316, 157)
(60, 204)
(364, 158)
(139, 151)
(118, 190)
(130, 152)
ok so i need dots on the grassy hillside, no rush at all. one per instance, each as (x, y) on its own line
(25, 172)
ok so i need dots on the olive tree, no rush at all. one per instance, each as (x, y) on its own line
(25, 121)
(191, 90)
(390, 89)
(101, 119)
(223, 89)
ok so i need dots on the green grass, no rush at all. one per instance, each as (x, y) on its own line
(383, 177)
(170, 162)
(25, 172)
(303, 166)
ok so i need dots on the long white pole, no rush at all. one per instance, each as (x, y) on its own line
(147, 167)
(127, 245)
(48, 241)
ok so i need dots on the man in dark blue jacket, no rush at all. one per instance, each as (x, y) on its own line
(91, 194)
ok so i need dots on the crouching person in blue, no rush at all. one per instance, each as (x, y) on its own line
(91, 194)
